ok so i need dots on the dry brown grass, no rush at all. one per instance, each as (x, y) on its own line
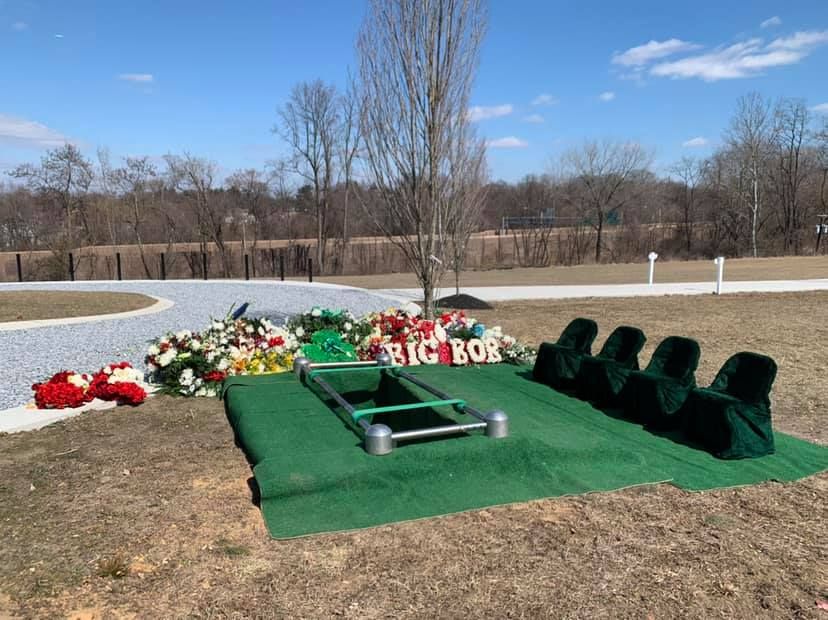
(780, 268)
(163, 487)
(32, 305)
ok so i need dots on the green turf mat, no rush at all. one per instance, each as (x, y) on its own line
(314, 476)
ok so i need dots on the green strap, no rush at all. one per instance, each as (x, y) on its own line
(320, 371)
(457, 402)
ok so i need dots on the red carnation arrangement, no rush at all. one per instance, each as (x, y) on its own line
(65, 389)
(116, 382)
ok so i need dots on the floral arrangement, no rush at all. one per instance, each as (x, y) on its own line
(195, 364)
(451, 338)
(68, 389)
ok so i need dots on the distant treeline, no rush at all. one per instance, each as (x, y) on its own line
(759, 193)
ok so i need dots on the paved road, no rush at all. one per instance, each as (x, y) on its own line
(505, 293)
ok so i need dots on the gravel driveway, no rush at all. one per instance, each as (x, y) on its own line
(31, 355)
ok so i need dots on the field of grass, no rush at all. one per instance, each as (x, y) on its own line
(32, 305)
(780, 268)
(147, 512)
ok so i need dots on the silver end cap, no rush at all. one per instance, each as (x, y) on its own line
(497, 424)
(378, 440)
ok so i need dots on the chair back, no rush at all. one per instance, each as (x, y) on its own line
(747, 376)
(579, 335)
(676, 357)
(623, 346)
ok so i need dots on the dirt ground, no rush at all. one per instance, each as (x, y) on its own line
(32, 305)
(739, 269)
(147, 513)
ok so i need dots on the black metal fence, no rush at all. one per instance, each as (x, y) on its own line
(276, 263)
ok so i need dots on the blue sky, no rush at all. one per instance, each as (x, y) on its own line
(154, 77)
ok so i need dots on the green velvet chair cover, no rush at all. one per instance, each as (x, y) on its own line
(601, 378)
(655, 396)
(557, 363)
(732, 418)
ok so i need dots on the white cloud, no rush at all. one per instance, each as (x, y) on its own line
(480, 113)
(510, 142)
(545, 99)
(19, 26)
(771, 22)
(141, 78)
(696, 142)
(821, 108)
(802, 40)
(643, 54)
(607, 96)
(22, 132)
(744, 59)
(58, 36)
(536, 119)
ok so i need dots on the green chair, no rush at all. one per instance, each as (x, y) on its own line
(602, 377)
(557, 363)
(655, 396)
(732, 417)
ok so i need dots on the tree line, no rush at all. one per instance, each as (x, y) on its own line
(395, 155)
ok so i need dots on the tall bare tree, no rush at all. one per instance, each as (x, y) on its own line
(134, 183)
(792, 166)
(417, 62)
(310, 125)
(194, 177)
(605, 172)
(62, 179)
(349, 141)
(691, 172)
(750, 134)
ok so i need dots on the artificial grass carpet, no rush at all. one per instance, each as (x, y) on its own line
(314, 476)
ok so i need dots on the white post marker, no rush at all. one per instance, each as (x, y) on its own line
(719, 261)
(652, 256)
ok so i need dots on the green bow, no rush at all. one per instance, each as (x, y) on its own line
(327, 346)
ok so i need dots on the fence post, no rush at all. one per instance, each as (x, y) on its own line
(118, 264)
(204, 264)
(282, 265)
(19, 268)
(163, 268)
(71, 267)
(310, 270)
(246, 267)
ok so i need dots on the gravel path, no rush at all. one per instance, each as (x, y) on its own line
(30, 355)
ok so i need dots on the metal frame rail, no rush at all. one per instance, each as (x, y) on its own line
(379, 438)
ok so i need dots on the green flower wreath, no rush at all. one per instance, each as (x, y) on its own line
(327, 346)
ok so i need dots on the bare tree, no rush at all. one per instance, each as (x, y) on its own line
(604, 172)
(791, 133)
(194, 177)
(750, 135)
(691, 172)
(310, 124)
(133, 182)
(349, 141)
(63, 179)
(417, 62)
(251, 193)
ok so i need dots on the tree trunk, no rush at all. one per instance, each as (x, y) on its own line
(755, 212)
(428, 300)
(598, 238)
